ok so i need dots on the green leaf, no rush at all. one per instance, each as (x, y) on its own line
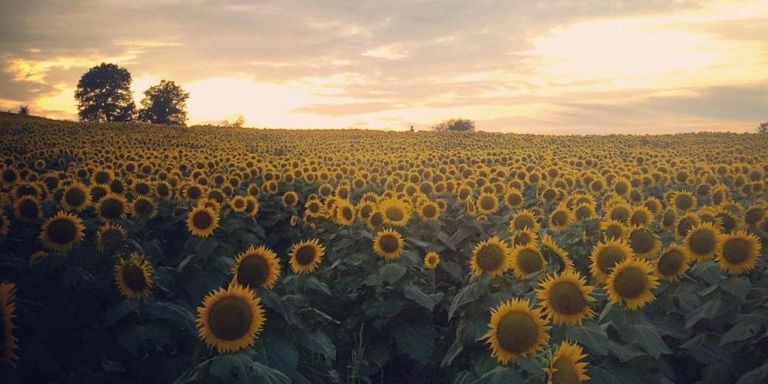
(318, 342)
(609, 373)
(240, 368)
(392, 272)
(625, 352)
(645, 337)
(317, 285)
(281, 353)
(592, 336)
(707, 310)
(206, 246)
(499, 375)
(737, 286)
(740, 331)
(758, 375)
(419, 297)
(119, 311)
(418, 342)
(709, 272)
(469, 293)
(175, 314)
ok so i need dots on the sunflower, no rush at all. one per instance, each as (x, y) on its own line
(516, 330)
(487, 203)
(619, 212)
(584, 211)
(306, 256)
(631, 282)
(110, 237)
(429, 211)
(27, 209)
(702, 242)
(561, 218)
(76, 197)
(5, 225)
(431, 260)
(238, 204)
(685, 223)
(202, 221)
(111, 207)
(251, 206)
(388, 244)
(640, 216)
(290, 199)
(37, 257)
(524, 238)
(230, 319)
(133, 277)
(376, 220)
(565, 366)
(344, 213)
(256, 268)
(7, 314)
(550, 246)
(738, 252)
(523, 220)
(514, 199)
(395, 212)
(613, 229)
(605, 255)
(673, 263)
(683, 201)
(565, 298)
(754, 215)
(526, 260)
(491, 256)
(143, 207)
(643, 242)
(62, 232)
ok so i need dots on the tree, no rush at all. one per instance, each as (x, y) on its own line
(456, 125)
(23, 110)
(164, 103)
(763, 128)
(104, 94)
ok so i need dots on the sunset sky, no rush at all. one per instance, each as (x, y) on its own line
(558, 66)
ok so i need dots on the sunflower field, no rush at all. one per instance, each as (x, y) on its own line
(133, 253)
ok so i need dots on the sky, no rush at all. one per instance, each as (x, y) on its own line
(538, 66)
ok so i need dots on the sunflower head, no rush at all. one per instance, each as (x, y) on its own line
(110, 237)
(429, 211)
(672, 263)
(230, 319)
(527, 260)
(565, 298)
(524, 238)
(523, 220)
(202, 221)
(345, 213)
(739, 252)
(643, 242)
(431, 260)
(143, 207)
(133, 277)
(631, 282)
(565, 366)
(62, 232)
(306, 256)
(257, 267)
(111, 207)
(613, 229)
(27, 209)
(396, 212)
(388, 244)
(516, 330)
(487, 203)
(7, 315)
(561, 218)
(76, 197)
(606, 255)
(491, 256)
(702, 241)
(290, 199)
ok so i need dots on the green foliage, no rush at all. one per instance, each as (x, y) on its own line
(104, 94)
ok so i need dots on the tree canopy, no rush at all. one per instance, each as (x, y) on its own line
(456, 125)
(164, 103)
(104, 94)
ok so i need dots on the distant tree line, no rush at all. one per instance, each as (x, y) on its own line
(455, 125)
(104, 94)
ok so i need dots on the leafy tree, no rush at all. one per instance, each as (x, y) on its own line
(456, 125)
(104, 94)
(23, 110)
(164, 103)
(763, 128)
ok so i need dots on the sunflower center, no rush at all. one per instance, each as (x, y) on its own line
(305, 255)
(638, 218)
(346, 212)
(583, 212)
(134, 278)
(143, 207)
(608, 258)
(111, 208)
(487, 203)
(253, 271)
(560, 218)
(566, 298)
(754, 215)
(619, 214)
(389, 244)
(736, 250)
(202, 220)
(490, 258)
(517, 332)
(62, 231)
(377, 219)
(565, 372)
(514, 200)
(529, 261)
(613, 231)
(702, 242)
(289, 199)
(230, 318)
(194, 193)
(394, 214)
(429, 211)
(630, 283)
(522, 239)
(74, 197)
(523, 222)
(670, 262)
(642, 241)
(683, 202)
